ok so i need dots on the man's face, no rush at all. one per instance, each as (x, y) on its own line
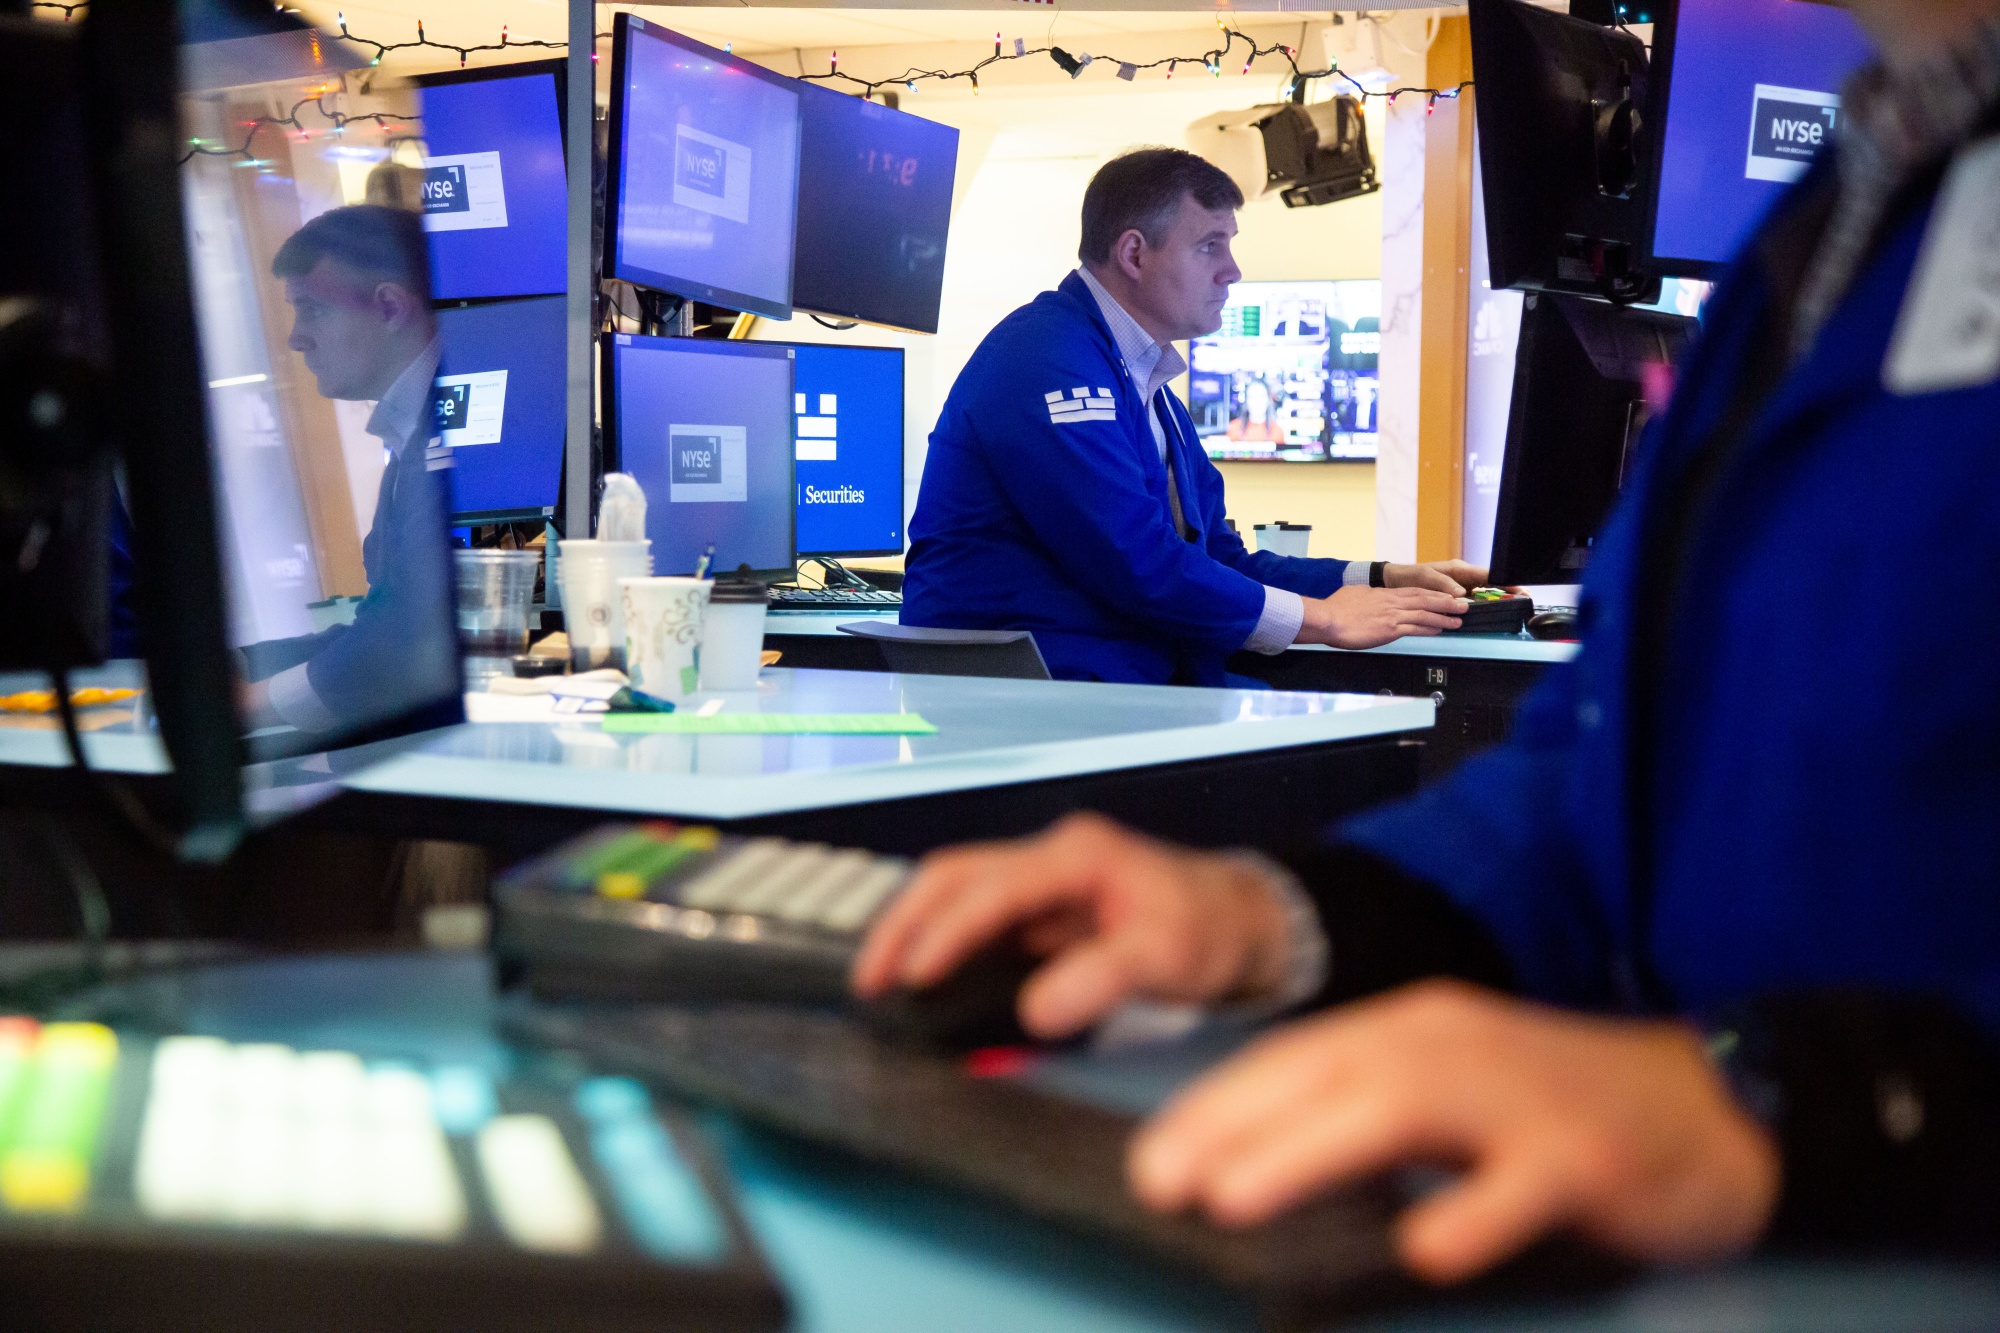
(1183, 282)
(345, 327)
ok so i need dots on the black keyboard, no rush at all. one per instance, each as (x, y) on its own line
(826, 1080)
(833, 599)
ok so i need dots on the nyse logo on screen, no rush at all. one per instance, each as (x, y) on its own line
(707, 464)
(464, 192)
(697, 460)
(469, 409)
(450, 406)
(712, 174)
(702, 166)
(444, 190)
(1788, 127)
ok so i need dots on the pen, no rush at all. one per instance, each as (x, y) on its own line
(701, 565)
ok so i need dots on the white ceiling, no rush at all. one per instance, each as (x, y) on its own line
(761, 29)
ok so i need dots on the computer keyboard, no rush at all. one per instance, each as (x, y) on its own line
(825, 1079)
(320, 1190)
(833, 599)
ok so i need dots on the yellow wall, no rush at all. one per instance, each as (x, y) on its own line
(1338, 499)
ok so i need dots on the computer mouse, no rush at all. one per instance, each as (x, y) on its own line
(1553, 625)
(976, 1006)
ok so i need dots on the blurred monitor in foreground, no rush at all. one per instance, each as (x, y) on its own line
(1291, 374)
(874, 209)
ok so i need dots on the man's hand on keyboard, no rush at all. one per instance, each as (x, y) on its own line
(1369, 617)
(1117, 915)
(1619, 1129)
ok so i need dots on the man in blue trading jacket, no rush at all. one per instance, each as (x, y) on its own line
(1066, 493)
(1724, 912)
(358, 281)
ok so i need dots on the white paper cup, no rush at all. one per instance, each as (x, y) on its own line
(592, 612)
(663, 632)
(732, 636)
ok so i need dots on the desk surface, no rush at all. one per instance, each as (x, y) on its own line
(990, 733)
(1481, 647)
(866, 1252)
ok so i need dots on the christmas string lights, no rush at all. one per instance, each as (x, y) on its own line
(1210, 62)
(339, 120)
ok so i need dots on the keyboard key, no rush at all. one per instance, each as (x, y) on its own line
(538, 1195)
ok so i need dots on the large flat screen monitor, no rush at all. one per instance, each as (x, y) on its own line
(494, 192)
(848, 402)
(705, 427)
(499, 400)
(1291, 374)
(874, 209)
(704, 171)
(1751, 91)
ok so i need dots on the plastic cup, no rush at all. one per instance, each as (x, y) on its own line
(732, 635)
(664, 622)
(592, 614)
(495, 591)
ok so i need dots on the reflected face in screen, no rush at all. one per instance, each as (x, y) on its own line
(356, 336)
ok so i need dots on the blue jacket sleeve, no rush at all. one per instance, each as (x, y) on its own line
(1496, 836)
(1090, 493)
(1307, 578)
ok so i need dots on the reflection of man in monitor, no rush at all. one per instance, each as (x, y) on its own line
(358, 282)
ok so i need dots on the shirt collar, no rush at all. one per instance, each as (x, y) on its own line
(402, 413)
(1150, 363)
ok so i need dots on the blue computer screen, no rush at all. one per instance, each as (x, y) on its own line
(1754, 92)
(500, 400)
(848, 402)
(494, 195)
(705, 154)
(705, 427)
(874, 209)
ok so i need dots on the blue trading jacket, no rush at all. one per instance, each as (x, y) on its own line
(1824, 768)
(1044, 507)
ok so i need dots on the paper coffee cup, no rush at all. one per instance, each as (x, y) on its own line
(663, 618)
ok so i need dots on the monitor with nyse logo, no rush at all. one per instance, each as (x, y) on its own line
(1751, 93)
(705, 427)
(848, 405)
(702, 192)
(494, 190)
(499, 400)
(875, 190)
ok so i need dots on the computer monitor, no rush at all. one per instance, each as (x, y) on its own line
(495, 193)
(1579, 405)
(874, 209)
(1748, 91)
(848, 407)
(500, 395)
(1564, 151)
(701, 194)
(705, 427)
(1291, 376)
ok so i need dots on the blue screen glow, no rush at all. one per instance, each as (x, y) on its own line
(495, 203)
(1754, 93)
(706, 153)
(849, 406)
(705, 427)
(500, 396)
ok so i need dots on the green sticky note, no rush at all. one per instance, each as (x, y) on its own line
(772, 724)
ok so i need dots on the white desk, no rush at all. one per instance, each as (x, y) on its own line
(1204, 764)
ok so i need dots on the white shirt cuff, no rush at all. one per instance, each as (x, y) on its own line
(1356, 574)
(292, 699)
(1278, 627)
